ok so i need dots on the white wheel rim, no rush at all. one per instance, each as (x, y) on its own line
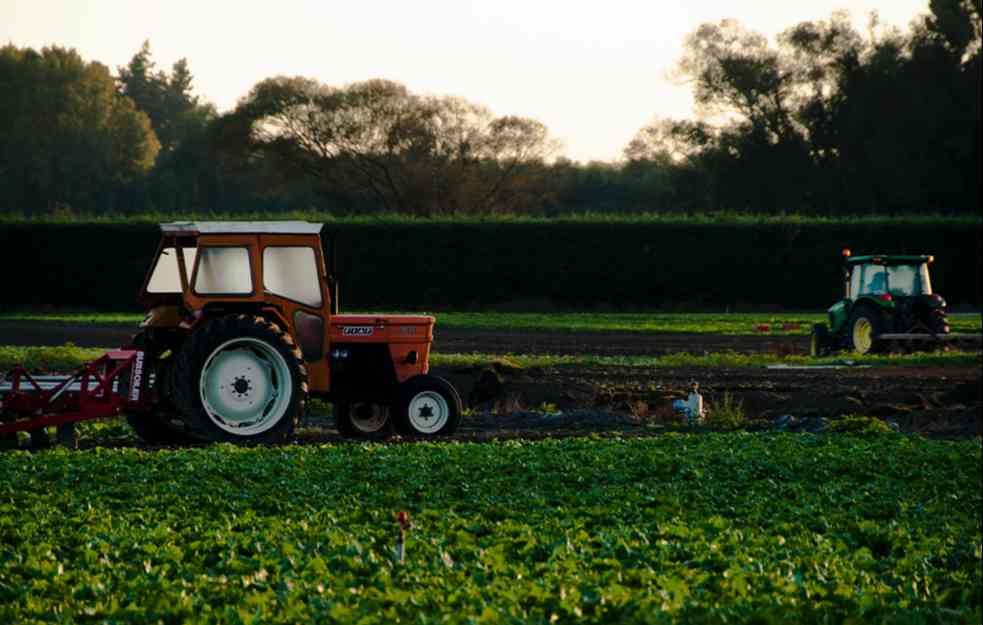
(372, 422)
(245, 386)
(428, 412)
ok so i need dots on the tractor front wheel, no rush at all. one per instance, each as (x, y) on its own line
(362, 420)
(865, 328)
(240, 379)
(427, 406)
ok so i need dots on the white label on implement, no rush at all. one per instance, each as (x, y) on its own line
(357, 330)
(136, 378)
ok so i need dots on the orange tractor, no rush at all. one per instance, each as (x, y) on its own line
(242, 328)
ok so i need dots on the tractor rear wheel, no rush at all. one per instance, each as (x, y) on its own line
(819, 340)
(865, 327)
(938, 323)
(427, 406)
(240, 379)
(362, 420)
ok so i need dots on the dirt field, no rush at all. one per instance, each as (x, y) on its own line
(944, 401)
(941, 401)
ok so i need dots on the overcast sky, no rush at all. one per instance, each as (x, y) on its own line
(593, 72)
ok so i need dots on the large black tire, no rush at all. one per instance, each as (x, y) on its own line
(363, 420)
(154, 426)
(866, 325)
(819, 341)
(259, 341)
(426, 406)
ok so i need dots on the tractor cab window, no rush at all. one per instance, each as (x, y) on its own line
(223, 271)
(898, 280)
(873, 279)
(855, 281)
(291, 272)
(166, 277)
(908, 280)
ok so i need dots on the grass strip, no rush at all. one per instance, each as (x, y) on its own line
(733, 360)
(732, 324)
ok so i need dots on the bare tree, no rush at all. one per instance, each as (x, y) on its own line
(411, 153)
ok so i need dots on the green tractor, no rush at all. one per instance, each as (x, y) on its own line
(888, 300)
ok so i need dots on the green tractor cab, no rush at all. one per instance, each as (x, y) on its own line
(888, 298)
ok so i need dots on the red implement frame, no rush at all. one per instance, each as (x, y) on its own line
(95, 397)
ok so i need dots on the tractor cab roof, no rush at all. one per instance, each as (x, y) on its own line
(889, 259)
(195, 228)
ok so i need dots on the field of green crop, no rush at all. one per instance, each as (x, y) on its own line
(791, 324)
(711, 528)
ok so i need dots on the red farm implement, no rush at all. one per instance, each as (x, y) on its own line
(106, 387)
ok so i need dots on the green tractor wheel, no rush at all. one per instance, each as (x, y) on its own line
(819, 342)
(865, 328)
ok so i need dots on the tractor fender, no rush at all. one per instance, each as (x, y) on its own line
(224, 309)
(839, 313)
(933, 301)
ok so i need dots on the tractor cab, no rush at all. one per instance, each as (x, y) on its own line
(885, 278)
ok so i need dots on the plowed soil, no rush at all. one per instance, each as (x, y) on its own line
(942, 401)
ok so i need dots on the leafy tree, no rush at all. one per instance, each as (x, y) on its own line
(67, 139)
(829, 120)
(182, 178)
(175, 112)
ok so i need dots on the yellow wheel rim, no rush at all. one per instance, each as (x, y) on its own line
(863, 335)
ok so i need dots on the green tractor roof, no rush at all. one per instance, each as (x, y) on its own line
(889, 259)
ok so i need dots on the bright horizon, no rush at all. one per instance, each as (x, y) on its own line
(593, 75)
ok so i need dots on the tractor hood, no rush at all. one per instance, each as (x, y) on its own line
(382, 328)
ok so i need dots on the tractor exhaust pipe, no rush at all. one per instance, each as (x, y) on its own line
(846, 273)
(333, 284)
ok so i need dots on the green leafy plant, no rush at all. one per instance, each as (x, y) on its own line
(708, 528)
(860, 424)
(727, 414)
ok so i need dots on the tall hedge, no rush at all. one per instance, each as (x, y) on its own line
(517, 266)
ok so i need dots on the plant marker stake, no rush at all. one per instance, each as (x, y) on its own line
(403, 520)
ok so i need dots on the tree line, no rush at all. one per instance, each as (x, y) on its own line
(824, 120)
